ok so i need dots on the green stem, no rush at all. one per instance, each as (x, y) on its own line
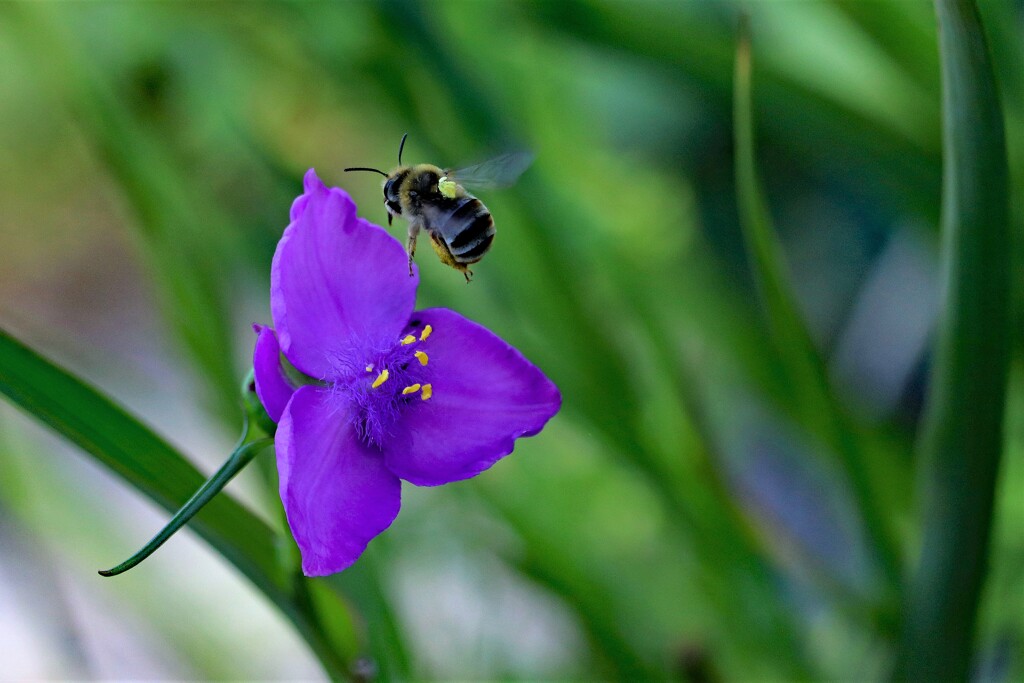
(239, 458)
(962, 432)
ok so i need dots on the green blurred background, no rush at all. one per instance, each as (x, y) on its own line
(684, 516)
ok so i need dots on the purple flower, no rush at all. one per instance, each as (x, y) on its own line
(425, 396)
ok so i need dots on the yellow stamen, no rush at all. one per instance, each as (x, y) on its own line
(381, 378)
(426, 333)
(428, 391)
(421, 357)
(411, 389)
(408, 339)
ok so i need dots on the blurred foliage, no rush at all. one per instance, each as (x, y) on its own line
(729, 489)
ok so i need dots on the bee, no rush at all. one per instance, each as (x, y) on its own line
(433, 199)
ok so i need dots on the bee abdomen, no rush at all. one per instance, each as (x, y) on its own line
(474, 231)
(475, 251)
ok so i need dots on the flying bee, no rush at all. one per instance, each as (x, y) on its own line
(430, 198)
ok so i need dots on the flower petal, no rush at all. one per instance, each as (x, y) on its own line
(338, 283)
(272, 385)
(337, 493)
(485, 395)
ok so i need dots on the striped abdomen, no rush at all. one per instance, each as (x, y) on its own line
(467, 228)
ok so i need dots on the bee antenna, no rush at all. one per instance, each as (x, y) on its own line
(360, 168)
(401, 146)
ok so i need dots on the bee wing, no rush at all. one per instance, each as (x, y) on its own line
(501, 171)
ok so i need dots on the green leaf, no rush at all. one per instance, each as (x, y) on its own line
(239, 458)
(547, 564)
(899, 152)
(363, 585)
(120, 442)
(961, 433)
(815, 405)
(178, 229)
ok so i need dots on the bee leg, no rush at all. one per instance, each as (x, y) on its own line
(410, 245)
(469, 275)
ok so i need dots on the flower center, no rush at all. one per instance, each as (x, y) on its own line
(391, 380)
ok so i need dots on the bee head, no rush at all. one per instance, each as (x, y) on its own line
(391, 198)
(392, 183)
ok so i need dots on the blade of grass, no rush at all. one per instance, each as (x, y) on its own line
(101, 428)
(239, 458)
(547, 564)
(962, 429)
(177, 229)
(906, 155)
(904, 31)
(364, 584)
(128, 448)
(812, 395)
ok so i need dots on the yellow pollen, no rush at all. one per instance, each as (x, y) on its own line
(408, 339)
(447, 187)
(369, 368)
(381, 378)
(428, 391)
(411, 389)
(426, 333)
(421, 357)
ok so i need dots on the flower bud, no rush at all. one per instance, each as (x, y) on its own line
(254, 407)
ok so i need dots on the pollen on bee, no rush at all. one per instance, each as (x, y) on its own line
(411, 389)
(428, 391)
(446, 187)
(408, 339)
(426, 332)
(381, 378)
(421, 357)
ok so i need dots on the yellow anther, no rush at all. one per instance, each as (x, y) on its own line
(421, 357)
(381, 378)
(426, 333)
(408, 339)
(428, 391)
(411, 389)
